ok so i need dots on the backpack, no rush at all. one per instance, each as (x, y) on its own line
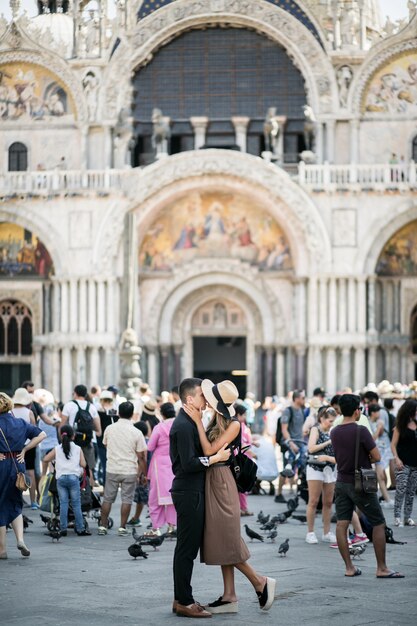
(83, 426)
(391, 422)
(278, 436)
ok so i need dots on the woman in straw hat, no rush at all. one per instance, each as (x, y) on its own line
(21, 401)
(13, 435)
(223, 544)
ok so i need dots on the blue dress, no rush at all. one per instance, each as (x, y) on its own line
(17, 431)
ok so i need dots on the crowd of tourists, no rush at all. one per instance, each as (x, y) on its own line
(162, 452)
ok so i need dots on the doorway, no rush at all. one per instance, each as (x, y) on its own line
(217, 357)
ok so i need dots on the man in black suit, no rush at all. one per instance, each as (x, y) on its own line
(189, 467)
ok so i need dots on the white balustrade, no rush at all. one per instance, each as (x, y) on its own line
(64, 180)
(374, 176)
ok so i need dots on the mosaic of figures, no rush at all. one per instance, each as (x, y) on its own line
(393, 88)
(31, 92)
(399, 256)
(22, 253)
(212, 225)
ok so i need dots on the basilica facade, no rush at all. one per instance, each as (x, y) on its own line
(221, 187)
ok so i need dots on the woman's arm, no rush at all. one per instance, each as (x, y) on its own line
(394, 444)
(32, 418)
(379, 430)
(83, 462)
(32, 444)
(50, 456)
(313, 447)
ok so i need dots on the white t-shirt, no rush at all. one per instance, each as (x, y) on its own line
(71, 466)
(70, 410)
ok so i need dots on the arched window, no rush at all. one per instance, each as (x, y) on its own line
(18, 157)
(414, 149)
(15, 329)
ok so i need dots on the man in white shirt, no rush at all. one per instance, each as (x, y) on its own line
(126, 464)
(69, 413)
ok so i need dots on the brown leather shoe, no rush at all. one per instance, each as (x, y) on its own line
(194, 610)
(174, 606)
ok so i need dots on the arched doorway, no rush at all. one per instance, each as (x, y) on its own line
(15, 344)
(219, 330)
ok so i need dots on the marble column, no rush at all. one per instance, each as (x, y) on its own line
(108, 364)
(269, 391)
(54, 374)
(323, 307)
(83, 305)
(319, 142)
(354, 141)
(91, 306)
(314, 369)
(37, 365)
(372, 365)
(362, 305)
(371, 305)
(66, 374)
(397, 306)
(331, 369)
(111, 289)
(56, 305)
(330, 137)
(199, 125)
(81, 365)
(47, 321)
(300, 369)
(279, 371)
(359, 368)
(351, 324)
(240, 124)
(73, 306)
(101, 306)
(346, 378)
(177, 364)
(260, 371)
(164, 382)
(341, 306)
(333, 305)
(302, 311)
(94, 372)
(312, 306)
(64, 306)
(152, 367)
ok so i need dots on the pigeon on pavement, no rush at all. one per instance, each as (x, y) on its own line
(135, 550)
(284, 547)
(252, 534)
(272, 535)
(154, 541)
(300, 518)
(292, 503)
(269, 526)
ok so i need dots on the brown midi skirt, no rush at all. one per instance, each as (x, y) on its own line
(222, 543)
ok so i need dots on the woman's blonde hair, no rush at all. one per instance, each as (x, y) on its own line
(217, 427)
(6, 403)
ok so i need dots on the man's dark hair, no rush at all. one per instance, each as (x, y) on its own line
(167, 410)
(335, 399)
(240, 409)
(175, 389)
(27, 383)
(319, 391)
(373, 408)
(187, 387)
(389, 404)
(143, 427)
(370, 396)
(81, 391)
(348, 404)
(126, 410)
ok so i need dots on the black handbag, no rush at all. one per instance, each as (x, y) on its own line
(243, 468)
(366, 480)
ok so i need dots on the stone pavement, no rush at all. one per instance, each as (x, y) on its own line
(93, 580)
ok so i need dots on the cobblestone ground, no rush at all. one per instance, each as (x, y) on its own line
(93, 580)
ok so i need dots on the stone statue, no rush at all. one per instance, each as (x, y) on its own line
(90, 85)
(344, 78)
(389, 27)
(349, 24)
(310, 123)
(271, 131)
(161, 133)
(130, 372)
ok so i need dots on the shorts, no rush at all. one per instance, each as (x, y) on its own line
(30, 457)
(142, 494)
(347, 499)
(127, 483)
(90, 456)
(327, 476)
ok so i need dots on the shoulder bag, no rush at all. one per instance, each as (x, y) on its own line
(365, 479)
(243, 467)
(21, 481)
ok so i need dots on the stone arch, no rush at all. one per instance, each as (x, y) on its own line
(151, 188)
(379, 56)
(45, 231)
(368, 257)
(170, 21)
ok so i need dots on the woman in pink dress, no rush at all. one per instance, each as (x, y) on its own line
(160, 474)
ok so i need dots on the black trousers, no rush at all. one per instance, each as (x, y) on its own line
(189, 506)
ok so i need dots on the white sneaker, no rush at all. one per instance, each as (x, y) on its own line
(311, 538)
(409, 522)
(398, 523)
(329, 537)
(387, 504)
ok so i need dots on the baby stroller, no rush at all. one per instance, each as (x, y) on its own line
(293, 462)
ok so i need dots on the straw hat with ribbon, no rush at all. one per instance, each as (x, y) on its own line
(221, 396)
(22, 397)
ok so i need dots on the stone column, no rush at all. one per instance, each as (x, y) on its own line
(319, 142)
(346, 369)
(333, 305)
(330, 136)
(300, 377)
(323, 305)
(359, 369)
(312, 306)
(56, 308)
(111, 288)
(91, 306)
(94, 372)
(279, 371)
(83, 305)
(37, 365)
(302, 311)
(47, 322)
(81, 366)
(240, 124)
(352, 305)
(372, 365)
(269, 371)
(64, 306)
(177, 363)
(397, 306)
(101, 306)
(341, 305)
(362, 306)
(73, 306)
(331, 370)
(152, 367)
(54, 376)
(66, 374)
(260, 372)
(109, 363)
(371, 304)
(199, 125)
(354, 141)
(164, 367)
(314, 368)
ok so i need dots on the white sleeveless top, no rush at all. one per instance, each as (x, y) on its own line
(69, 466)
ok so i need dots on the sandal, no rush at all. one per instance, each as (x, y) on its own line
(393, 575)
(358, 572)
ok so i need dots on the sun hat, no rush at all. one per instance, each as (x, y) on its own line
(221, 396)
(149, 407)
(106, 395)
(22, 396)
(43, 396)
